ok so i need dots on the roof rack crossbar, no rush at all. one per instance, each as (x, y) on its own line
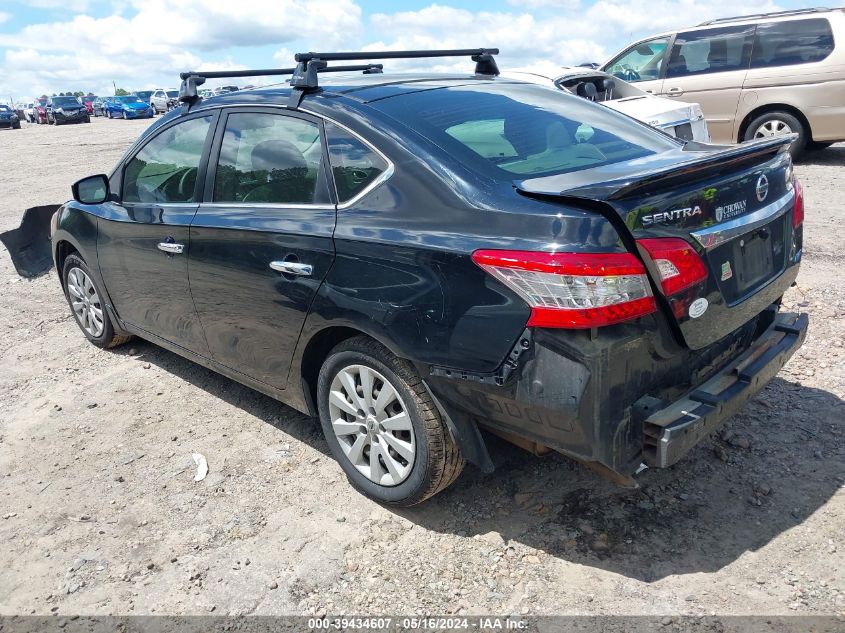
(347, 56)
(485, 64)
(193, 78)
(772, 14)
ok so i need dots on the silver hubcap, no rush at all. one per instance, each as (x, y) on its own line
(775, 127)
(372, 425)
(85, 302)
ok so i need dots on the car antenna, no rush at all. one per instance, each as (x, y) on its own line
(308, 65)
(191, 79)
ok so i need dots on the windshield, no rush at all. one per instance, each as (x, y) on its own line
(88, 99)
(65, 101)
(5, 108)
(513, 129)
(172, 93)
(129, 99)
(144, 94)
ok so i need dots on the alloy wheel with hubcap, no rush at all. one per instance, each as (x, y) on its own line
(372, 425)
(382, 424)
(772, 127)
(85, 302)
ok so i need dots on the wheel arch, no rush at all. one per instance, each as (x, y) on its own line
(773, 107)
(315, 352)
(64, 248)
(320, 344)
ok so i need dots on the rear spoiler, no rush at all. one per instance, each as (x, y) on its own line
(590, 184)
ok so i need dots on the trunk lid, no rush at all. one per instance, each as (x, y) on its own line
(732, 205)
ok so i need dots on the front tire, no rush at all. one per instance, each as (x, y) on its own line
(84, 297)
(382, 425)
(778, 123)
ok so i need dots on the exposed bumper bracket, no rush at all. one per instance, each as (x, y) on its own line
(673, 430)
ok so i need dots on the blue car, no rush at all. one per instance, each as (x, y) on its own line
(128, 107)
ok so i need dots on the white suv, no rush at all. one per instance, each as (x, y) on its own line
(164, 100)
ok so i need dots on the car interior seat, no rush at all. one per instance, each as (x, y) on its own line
(284, 172)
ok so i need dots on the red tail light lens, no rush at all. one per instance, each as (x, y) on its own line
(679, 265)
(573, 290)
(798, 209)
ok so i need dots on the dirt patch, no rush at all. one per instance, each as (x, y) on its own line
(100, 513)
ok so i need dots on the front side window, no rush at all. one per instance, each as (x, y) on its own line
(792, 42)
(165, 170)
(641, 62)
(710, 51)
(354, 164)
(268, 158)
(510, 131)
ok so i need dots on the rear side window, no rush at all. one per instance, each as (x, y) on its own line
(792, 42)
(165, 170)
(269, 159)
(710, 51)
(515, 130)
(355, 165)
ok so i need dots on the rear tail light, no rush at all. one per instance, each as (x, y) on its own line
(573, 290)
(798, 209)
(680, 267)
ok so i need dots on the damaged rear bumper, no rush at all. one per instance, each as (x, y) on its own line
(670, 431)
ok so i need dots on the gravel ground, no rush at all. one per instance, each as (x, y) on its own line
(99, 512)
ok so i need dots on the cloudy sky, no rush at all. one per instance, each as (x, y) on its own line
(49, 46)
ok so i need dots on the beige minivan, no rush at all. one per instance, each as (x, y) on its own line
(754, 76)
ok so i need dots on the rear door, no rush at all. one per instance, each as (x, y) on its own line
(709, 67)
(261, 242)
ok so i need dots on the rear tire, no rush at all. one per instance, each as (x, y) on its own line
(778, 123)
(84, 297)
(428, 460)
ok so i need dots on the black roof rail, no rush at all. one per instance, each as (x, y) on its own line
(309, 64)
(773, 14)
(193, 78)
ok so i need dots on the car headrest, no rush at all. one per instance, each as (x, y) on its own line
(587, 90)
(277, 155)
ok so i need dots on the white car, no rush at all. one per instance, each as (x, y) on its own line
(29, 112)
(680, 119)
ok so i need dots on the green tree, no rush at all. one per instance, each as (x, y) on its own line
(120, 92)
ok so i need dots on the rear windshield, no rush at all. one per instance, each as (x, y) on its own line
(172, 93)
(511, 130)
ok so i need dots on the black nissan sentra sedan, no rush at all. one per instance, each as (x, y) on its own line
(413, 258)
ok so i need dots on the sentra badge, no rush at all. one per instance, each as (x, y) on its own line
(671, 216)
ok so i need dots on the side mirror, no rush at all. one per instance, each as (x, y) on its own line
(92, 190)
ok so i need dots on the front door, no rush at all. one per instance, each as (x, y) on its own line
(143, 240)
(641, 63)
(262, 242)
(708, 67)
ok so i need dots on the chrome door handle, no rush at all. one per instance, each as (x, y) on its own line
(171, 248)
(675, 92)
(292, 268)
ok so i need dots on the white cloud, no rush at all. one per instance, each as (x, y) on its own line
(161, 38)
(5, 17)
(152, 40)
